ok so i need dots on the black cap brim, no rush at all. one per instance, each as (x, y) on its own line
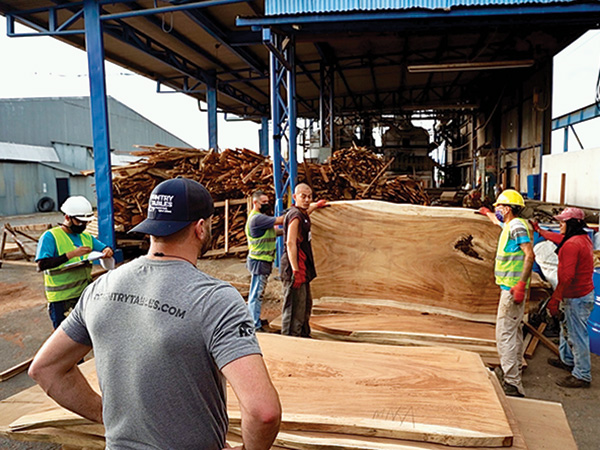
(159, 227)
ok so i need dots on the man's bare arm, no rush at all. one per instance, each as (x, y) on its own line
(529, 259)
(55, 369)
(258, 399)
(292, 243)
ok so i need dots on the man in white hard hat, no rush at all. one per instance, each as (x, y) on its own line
(62, 254)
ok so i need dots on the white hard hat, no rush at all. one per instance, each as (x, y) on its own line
(78, 207)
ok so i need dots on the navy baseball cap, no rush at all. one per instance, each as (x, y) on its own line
(173, 205)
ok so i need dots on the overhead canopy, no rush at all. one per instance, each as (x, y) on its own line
(393, 58)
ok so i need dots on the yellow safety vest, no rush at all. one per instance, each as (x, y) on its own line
(64, 282)
(509, 265)
(262, 247)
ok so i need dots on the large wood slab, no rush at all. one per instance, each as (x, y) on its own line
(531, 416)
(407, 253)
(426, 394)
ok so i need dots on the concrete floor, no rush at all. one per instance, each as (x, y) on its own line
(24, 325)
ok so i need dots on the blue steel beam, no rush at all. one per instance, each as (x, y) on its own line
(175, 8)
(283, 117)
(211, 100)
(575, 117)
(160, 52)
(142, 42)
(99, 110)
(212, 27)
(263, 135)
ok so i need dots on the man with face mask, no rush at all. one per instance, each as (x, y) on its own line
(514, 261)
(62, 255)
(574, 296)
(167, 338)
(261, 236)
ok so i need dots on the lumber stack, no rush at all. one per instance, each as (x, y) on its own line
(237, 173)
(349, 396)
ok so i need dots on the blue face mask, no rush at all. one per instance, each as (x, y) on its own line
(499, 216)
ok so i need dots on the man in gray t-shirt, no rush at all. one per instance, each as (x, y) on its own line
(166, 337)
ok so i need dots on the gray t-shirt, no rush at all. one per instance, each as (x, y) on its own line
(161, 332)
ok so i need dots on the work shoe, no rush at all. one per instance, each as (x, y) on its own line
(557, 362)
(499, 374)
(573, 382)
(511, 390)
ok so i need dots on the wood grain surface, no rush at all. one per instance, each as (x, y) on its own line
(529, 424)
(428, 257)
(426, 394)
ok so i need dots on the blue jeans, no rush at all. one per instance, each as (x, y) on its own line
(258, 283)
(59, 311)
(574, 340)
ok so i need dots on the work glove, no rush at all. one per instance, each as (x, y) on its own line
(518, 292)
(535, 225)
(553, 305)
(298, 279)
(484, 211)
(321, 204)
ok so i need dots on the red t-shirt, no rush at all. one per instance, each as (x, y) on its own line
(575, 264)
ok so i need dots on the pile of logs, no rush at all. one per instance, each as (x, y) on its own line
(354, 173)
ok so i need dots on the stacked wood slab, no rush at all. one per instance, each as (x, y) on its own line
(347, 396)
(405, 275)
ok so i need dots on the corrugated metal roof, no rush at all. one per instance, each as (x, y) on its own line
(63, 168)
(30, 153)
(42, 121)
(284, 7)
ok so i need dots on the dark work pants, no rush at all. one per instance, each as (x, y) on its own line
(296, 310)
(59, 311)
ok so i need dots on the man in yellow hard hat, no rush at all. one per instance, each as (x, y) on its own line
(514, 261)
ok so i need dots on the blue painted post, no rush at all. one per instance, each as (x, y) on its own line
(566, 140)
(276, 144)
(211, 100)
(99, 109)
(292, 125)
(263, 135)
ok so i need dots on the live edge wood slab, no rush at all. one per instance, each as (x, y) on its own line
(426, 394)
(317, 379)
(428, 258)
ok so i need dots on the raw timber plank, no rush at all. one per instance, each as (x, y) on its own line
(384, 391)
(437, 259)
(434, 327)
(547, 342)
(532, 416)
(15, 370)
(487, 350)
(534, 419)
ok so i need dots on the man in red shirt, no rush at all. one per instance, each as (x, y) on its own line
(574, 295)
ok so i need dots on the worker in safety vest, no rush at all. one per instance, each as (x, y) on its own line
(261, 235)
(514, 261)
(62, 254)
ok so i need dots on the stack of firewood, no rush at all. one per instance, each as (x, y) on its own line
(235, 174)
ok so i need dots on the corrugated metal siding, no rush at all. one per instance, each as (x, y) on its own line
(284, 7)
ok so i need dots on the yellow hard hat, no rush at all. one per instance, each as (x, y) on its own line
(510, 197)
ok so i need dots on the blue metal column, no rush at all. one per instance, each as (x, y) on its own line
(292, 118)
(282, 78)
(98, 104)
(211, 100)
(566, 140)
(263, 136)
